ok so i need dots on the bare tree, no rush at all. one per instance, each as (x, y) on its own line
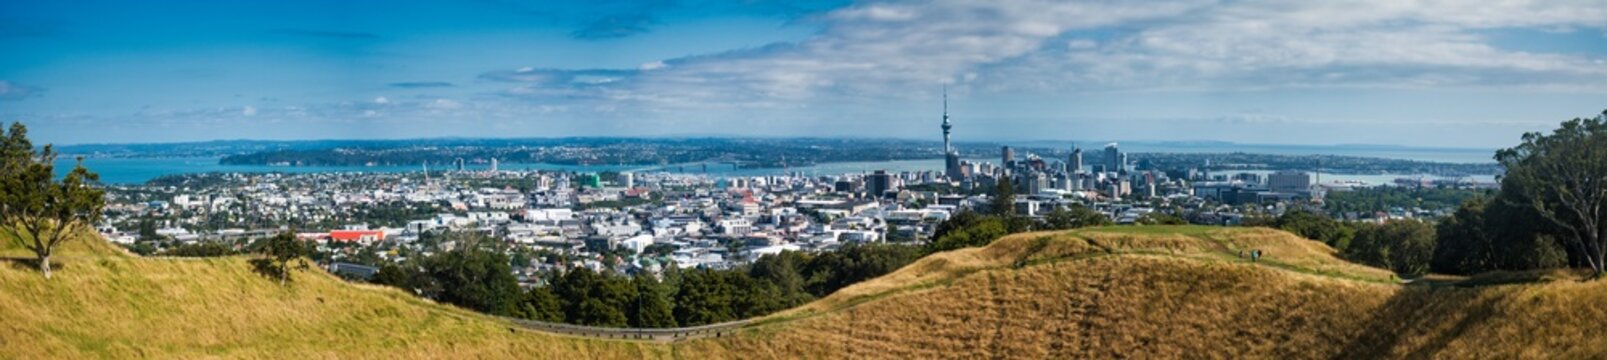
(38, 212)
(1563, 176)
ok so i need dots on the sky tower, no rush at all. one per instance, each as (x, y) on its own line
(947, 148)
(951, 158)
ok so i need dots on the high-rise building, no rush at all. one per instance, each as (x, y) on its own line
(880, 182)
(1289, 182)
(1075, 165)
(1113, 158)
(951, 158)
(1009, 157)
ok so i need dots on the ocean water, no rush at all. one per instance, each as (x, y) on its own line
(140, 170)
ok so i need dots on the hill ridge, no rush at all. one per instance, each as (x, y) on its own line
(1099, 292)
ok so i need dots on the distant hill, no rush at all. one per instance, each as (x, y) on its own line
(1120, 292)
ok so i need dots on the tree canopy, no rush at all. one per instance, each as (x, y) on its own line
(38, 212)
(1562, 176)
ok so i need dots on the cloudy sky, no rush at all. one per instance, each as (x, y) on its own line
(1428, 73)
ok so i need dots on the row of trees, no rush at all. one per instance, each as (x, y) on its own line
(971, 229)
(479, 277)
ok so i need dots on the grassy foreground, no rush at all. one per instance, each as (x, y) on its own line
(1120, 292)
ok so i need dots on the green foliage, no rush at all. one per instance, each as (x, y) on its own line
(469, 276)
(1487, 236)
(279, 250)
(704, 297)
(1072, 217)
(652, 308)
(979, 233)
(38, 212)
(541, 304)
(1562, 177)
(1159, 218)
(142, 248)
(827, 272)
(1316, 226)
(785, 270)
(1403, 246)
(1004, 199)
(1384, 198)
(202, 249)
(594, 299)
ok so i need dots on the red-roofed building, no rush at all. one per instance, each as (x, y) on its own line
(362, 236)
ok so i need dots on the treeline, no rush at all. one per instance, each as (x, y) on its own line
(481, 279)
(972, 229)
(1551, 212)
(1384, 198)
(1465, 243)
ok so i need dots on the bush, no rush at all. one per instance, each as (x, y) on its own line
(1403, 246)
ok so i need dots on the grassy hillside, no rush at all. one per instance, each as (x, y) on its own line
(1094, 293)
(108, 305)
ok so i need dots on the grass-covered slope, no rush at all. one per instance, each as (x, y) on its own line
(1171, 292)
(102, 304)
(1120, 292)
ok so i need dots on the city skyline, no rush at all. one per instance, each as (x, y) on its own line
(1432, 75)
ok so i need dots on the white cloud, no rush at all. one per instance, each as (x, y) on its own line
(897, 49)
(444, 104)
(382, 100)
(15, 91)
(248, 111)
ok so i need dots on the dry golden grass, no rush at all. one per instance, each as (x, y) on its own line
(1120, 292)
(1170, 292)
(118, 306)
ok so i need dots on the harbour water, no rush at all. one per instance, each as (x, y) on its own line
(140, 170)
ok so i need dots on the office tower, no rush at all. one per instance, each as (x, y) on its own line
(1113, 158)
(1075, 165)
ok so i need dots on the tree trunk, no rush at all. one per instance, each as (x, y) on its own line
(1597, 256)
(44, 264)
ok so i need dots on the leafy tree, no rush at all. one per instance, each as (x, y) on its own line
(1316, 226)
(473, 278)
(1368, 200)
(1486, 236)
(1563, 177)
(1074, 216)
(1403, 246)
(652, 308)
(1158, 218)
(280, 250)
(204, 249)
(147, 230)
(958, 221)
(1004, 199)
(38, 212)
(541, 305)
(595, 299)
(1522, 240)
(753, 297)
(980, 233)
(703, 298)
(830, 271)
(469, 276)
(785, 271)
(143, 248)
(1059, 219)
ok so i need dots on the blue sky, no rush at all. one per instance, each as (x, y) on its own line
(1426, 73)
